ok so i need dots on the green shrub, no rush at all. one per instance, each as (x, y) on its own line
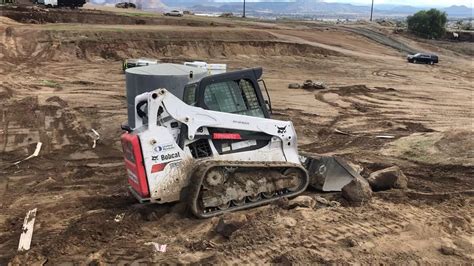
(428, 24)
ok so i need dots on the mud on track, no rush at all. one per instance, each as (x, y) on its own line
(67, 81)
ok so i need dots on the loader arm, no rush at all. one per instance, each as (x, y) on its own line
(161, 103)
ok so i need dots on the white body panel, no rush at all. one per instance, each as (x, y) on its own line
(212, 69)
(159, 141)
(159, 147)
(51, 2)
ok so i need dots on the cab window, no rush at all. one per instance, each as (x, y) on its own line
(190, 94)
(234, 96)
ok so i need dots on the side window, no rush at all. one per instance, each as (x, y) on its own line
(233, 97)
(224, 97)
(190, 94)
(250, 98)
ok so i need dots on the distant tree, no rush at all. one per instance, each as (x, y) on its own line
(428, 24)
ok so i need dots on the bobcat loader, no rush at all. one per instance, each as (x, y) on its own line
(218, 149)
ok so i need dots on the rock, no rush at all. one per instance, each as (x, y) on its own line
(199, 258)
(302, 201)
(358, 191)
(286, 221)
(357, 167)
(282, 260)
(310, 85)
(351, 242)
(294, 86)
(321, 200)
(447, 250)
(227, 225)
(388, 178)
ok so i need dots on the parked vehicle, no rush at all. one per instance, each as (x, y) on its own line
(174, 13)
(423, 58)
(125, 5)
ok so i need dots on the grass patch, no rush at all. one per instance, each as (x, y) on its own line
(425, 148)
(51, 84)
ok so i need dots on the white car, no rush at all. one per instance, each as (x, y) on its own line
(174, 13)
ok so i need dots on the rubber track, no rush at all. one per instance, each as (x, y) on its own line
(200, 171)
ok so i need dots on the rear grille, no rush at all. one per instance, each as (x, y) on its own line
(200, 148)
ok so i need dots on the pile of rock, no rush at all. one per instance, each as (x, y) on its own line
(317, 85)
(359, 190)
(308, 85)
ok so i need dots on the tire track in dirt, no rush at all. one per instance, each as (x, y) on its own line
(337, 226)
(381, 38)
(294, 39)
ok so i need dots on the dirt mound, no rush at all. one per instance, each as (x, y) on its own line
(452, 148)
(192, 49)
(5, 21)
(60, 45)
(5, 92)
(40, 16)
(457, 143)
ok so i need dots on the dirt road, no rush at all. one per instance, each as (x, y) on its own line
(60, 81)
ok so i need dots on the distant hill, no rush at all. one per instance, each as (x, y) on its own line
(459, 11)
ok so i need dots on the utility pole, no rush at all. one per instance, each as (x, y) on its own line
(243, 15)
(371, 10)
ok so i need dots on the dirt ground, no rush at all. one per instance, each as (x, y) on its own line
(61, 80)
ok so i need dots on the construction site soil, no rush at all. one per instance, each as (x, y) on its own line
(61, 80)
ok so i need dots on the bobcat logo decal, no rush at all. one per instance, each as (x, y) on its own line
(281, 130)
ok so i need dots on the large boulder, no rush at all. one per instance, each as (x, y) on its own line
(358, 191)
(388, 178)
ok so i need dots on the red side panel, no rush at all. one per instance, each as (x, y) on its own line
(134, 162)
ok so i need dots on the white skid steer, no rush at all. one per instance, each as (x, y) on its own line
(218, 149)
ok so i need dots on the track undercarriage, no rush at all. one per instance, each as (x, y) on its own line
(224, 186)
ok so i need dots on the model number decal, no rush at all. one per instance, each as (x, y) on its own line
(241, 122)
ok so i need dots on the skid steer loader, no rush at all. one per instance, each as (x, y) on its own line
(217, 148)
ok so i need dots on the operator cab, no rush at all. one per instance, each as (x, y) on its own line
(235, 92)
